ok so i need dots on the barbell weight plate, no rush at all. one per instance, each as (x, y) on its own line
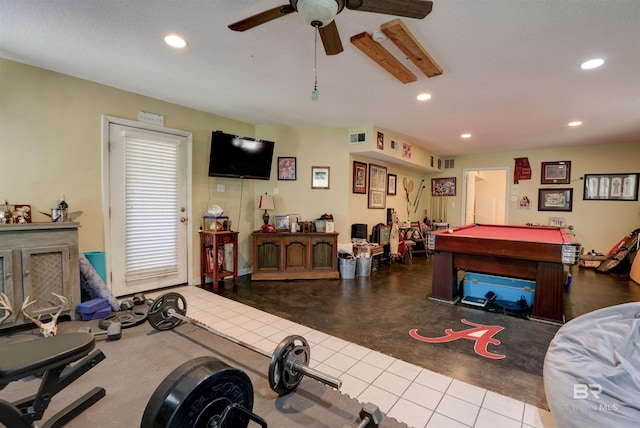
(127, 319)
(283, 377)
(196, 394)
(158, 314)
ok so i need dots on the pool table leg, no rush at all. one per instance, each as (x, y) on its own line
(547, 301)
(444, 284)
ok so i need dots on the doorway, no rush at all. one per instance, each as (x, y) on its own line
(485, 193)
(147, 188)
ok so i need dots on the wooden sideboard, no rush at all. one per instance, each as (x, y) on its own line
(37, 259)
(297, 255)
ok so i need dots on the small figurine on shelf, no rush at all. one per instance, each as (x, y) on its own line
(6, 215)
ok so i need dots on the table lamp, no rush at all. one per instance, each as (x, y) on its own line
(266, 203)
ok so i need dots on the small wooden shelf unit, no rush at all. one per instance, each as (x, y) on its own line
(212, 256)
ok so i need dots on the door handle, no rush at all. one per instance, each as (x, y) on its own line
(183, 219)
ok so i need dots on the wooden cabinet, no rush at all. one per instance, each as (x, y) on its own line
(37, 259)
(214, 260)
(287, 255)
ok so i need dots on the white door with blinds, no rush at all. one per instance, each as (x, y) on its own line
(148, 209)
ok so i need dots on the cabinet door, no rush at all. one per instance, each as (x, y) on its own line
(323, 253)
(6, 286)
(45, 270)
(296, 250)
(267, 254)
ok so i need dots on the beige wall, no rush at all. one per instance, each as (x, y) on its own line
(598, 224)
(50, 144)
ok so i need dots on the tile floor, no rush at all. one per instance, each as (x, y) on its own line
(411, 394)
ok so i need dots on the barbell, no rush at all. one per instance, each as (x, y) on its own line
(208, 393)
(289, 361)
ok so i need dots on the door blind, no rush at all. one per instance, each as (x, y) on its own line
(151, 203)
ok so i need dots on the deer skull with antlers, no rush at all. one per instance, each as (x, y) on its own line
(5, 305)
(50, 328)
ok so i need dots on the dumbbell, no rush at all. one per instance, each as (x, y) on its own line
(370, 416)
(113, 332)
(136, 300)
(139, 299)
(126, 305)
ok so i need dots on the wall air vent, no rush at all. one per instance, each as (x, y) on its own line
(358, 138)
(449, 163)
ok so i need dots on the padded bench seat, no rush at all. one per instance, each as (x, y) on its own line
(51, 357)
(22, 359)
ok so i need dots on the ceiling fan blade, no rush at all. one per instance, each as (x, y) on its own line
(262, 17)
(410, 8)
(331, 39)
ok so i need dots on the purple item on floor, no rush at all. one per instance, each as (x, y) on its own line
(91, 306)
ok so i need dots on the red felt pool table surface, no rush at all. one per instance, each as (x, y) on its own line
(529, 252)
(517, 233)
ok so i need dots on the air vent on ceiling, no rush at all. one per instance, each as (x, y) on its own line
(358, 138)
(449, 163)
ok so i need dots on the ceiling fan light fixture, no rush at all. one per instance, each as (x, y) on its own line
(317, 11)
(378, 36)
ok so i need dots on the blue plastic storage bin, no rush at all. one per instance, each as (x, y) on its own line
(511, 289)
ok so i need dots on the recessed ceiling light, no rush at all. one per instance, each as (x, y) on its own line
(424, 97)
(175, 41)
(575, 123)
(465, 136)
(592, 63)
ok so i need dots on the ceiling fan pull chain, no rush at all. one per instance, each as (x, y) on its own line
(315, 93)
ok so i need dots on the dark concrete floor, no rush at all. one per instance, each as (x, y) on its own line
(379, 310)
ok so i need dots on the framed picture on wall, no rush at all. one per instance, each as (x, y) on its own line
(611, 187)
(556, 172)
(377, 186)
(555, 199)
(443, 186)
(286, 168)
(319, 177)
(359, 177)
(392, 180)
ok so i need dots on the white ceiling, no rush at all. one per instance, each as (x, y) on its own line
(511, 67)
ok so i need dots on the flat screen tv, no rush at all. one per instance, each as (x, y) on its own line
(240, 157)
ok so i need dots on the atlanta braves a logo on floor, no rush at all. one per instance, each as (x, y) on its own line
(482, 334)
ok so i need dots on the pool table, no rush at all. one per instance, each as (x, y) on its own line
(529, 252)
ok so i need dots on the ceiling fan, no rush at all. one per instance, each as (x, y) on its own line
(320, 14)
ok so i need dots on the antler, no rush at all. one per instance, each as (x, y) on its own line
(64, 301)
(5, 304)
(26, 304)
(50, 328)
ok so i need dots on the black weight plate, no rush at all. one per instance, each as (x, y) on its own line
(283, 377)
(130, 318)
(158, 314)
(196, 393)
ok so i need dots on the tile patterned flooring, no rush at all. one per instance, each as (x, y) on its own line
(408, 393)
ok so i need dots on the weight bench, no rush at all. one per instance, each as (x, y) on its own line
(50, 358)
